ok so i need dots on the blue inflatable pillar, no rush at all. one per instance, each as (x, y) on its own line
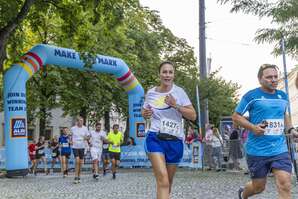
(15, 126)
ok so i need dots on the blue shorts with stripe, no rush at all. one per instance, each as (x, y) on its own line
(260, 166)
(171, 149)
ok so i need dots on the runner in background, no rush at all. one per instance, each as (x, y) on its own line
(40, 154)
(96, 142)
(64, 142)
(115, 138)
(55, 152)
(32, 155)
(79, 134)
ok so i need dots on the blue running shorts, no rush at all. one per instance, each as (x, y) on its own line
(171, 149)
(260, 166)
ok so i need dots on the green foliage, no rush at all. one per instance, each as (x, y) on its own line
(222, 96)
(284, 15)
(119, 28)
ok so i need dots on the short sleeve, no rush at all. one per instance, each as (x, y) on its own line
(242, 107)
(183, 98)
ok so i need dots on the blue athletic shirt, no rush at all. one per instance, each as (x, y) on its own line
(65, 146)
(272, 108)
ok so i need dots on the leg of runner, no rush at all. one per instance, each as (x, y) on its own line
(53, 163)
(63, 167)
(44, 160)
(253, 187)
(66, 165)
(77, 169)
(114, 167)
(171, 169)
(106, 163)
(283, 183)
(36, 166)
(80, 168)
(60, 160)
(95, 166)
(33, 167)
(161, 175)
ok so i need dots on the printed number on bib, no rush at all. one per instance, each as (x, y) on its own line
(114, 147)
(54, 154)
(40, 152)
(65, 145)
(275, 127)
(169, 126)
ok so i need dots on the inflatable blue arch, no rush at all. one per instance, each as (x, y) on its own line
(15, 126)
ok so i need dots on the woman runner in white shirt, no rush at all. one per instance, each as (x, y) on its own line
(164, 106)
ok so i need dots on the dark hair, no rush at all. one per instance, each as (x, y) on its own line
(165, 62)
(115, 125)
(98, 124)
(264, 67)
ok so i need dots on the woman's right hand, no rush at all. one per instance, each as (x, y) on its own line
(147, 113)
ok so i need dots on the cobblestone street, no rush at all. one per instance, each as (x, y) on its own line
(131, 184)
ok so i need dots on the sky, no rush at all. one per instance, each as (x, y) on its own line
(230, 38)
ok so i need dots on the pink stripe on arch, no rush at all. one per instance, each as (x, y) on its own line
(36, 57)
(124, 76)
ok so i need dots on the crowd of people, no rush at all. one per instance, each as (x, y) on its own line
(78, 140)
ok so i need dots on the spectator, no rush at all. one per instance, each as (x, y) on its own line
(190, 136)
(208, 146)
(131, 141)
(235, 149)
(217, 143)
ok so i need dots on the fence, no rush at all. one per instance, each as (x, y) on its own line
(131, 156)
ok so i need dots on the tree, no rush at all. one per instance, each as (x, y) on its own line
(222, 96)
(283, 14)
(11, 16)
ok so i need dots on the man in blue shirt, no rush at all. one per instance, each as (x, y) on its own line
(266, 146)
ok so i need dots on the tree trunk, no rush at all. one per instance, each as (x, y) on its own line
(7, 30)
(107, 120)
(42, 121)
(83, 114)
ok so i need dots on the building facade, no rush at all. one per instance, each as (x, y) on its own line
(293, 94)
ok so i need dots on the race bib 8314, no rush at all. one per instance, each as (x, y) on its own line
(275, 127)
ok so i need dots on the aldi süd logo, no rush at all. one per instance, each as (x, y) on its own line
(18, 127)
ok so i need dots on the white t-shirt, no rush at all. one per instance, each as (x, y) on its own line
(166, 119)
(78, 136)
(96, 139)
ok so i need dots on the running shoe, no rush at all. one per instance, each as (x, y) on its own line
(64, 174)
(76, 180)
(240, 191)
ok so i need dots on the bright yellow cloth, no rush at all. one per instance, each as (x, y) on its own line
(116, 139)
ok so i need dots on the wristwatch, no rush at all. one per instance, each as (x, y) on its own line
(177, 107)
(290, 129)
